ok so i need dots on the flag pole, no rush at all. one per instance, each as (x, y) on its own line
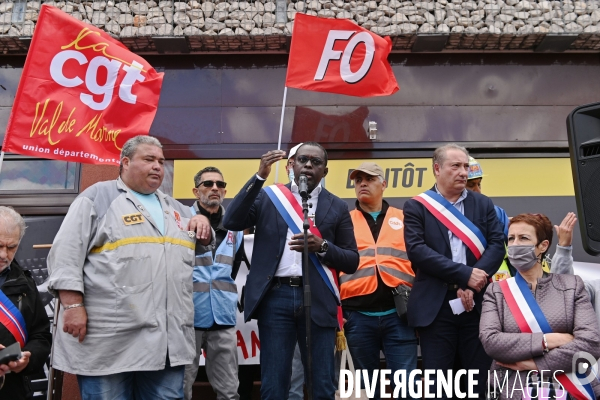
(1, 159)
(280, 131)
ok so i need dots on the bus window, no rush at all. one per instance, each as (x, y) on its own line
(22, 174)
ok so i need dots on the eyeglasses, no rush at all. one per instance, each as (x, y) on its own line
(209, 184)
(315, 161)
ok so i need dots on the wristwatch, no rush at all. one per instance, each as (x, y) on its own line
(324, 246)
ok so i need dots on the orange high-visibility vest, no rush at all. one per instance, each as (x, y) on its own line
(388, 256)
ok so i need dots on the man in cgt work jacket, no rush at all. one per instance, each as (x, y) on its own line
(121, 265)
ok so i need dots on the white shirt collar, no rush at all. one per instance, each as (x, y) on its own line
(315, 193)
(463, 195)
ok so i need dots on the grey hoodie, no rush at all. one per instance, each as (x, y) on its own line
(562, 263)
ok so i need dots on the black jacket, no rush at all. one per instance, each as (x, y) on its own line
(429, 251)
(22, 291)
(252, 207)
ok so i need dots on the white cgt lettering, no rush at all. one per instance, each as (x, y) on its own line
(133, 74)
(56, 67)
(330, 54)
(91, 82)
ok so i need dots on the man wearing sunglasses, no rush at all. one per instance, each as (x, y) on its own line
(274, 289)
(215, 292)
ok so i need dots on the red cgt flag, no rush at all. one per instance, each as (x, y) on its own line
(82, 94)
(337, 56)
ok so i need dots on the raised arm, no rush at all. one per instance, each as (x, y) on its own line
(242, 212)
(562, 261)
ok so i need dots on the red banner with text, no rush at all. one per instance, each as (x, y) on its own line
(82, 95)
(337, 56)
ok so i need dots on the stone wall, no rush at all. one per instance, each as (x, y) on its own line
(499, 23)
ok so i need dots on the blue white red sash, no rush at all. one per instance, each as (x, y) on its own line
(291, 211)
(456, 222)
(530, 319)
(12, 319)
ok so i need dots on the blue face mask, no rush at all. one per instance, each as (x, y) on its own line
(291, 175)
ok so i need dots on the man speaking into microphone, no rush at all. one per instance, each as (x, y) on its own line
(274, 289)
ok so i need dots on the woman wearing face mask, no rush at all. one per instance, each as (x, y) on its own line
(536, 321)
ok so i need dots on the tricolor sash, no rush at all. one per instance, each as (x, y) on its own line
(12, 319)
(530, 319)
(291, 212)
(456, 222)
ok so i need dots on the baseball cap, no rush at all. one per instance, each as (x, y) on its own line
(294, 150)
(475, 170)
(369, 168)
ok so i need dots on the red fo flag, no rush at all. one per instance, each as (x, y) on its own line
(82, 94)
(338, 56)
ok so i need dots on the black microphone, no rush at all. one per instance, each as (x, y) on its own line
(303, 186)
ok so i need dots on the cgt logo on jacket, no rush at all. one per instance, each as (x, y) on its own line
(132, 219)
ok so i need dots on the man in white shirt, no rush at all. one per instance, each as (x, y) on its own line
(447, 268)
(274, 289)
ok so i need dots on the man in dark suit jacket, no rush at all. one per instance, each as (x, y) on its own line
(274, 293)
(446, 269)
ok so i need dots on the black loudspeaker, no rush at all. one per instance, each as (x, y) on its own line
(583, 127)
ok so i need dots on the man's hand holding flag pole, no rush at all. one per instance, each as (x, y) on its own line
(334, 56)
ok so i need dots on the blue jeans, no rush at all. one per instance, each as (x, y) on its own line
(297, 378)
(367, 336)
(138, 385)
(281, 324)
